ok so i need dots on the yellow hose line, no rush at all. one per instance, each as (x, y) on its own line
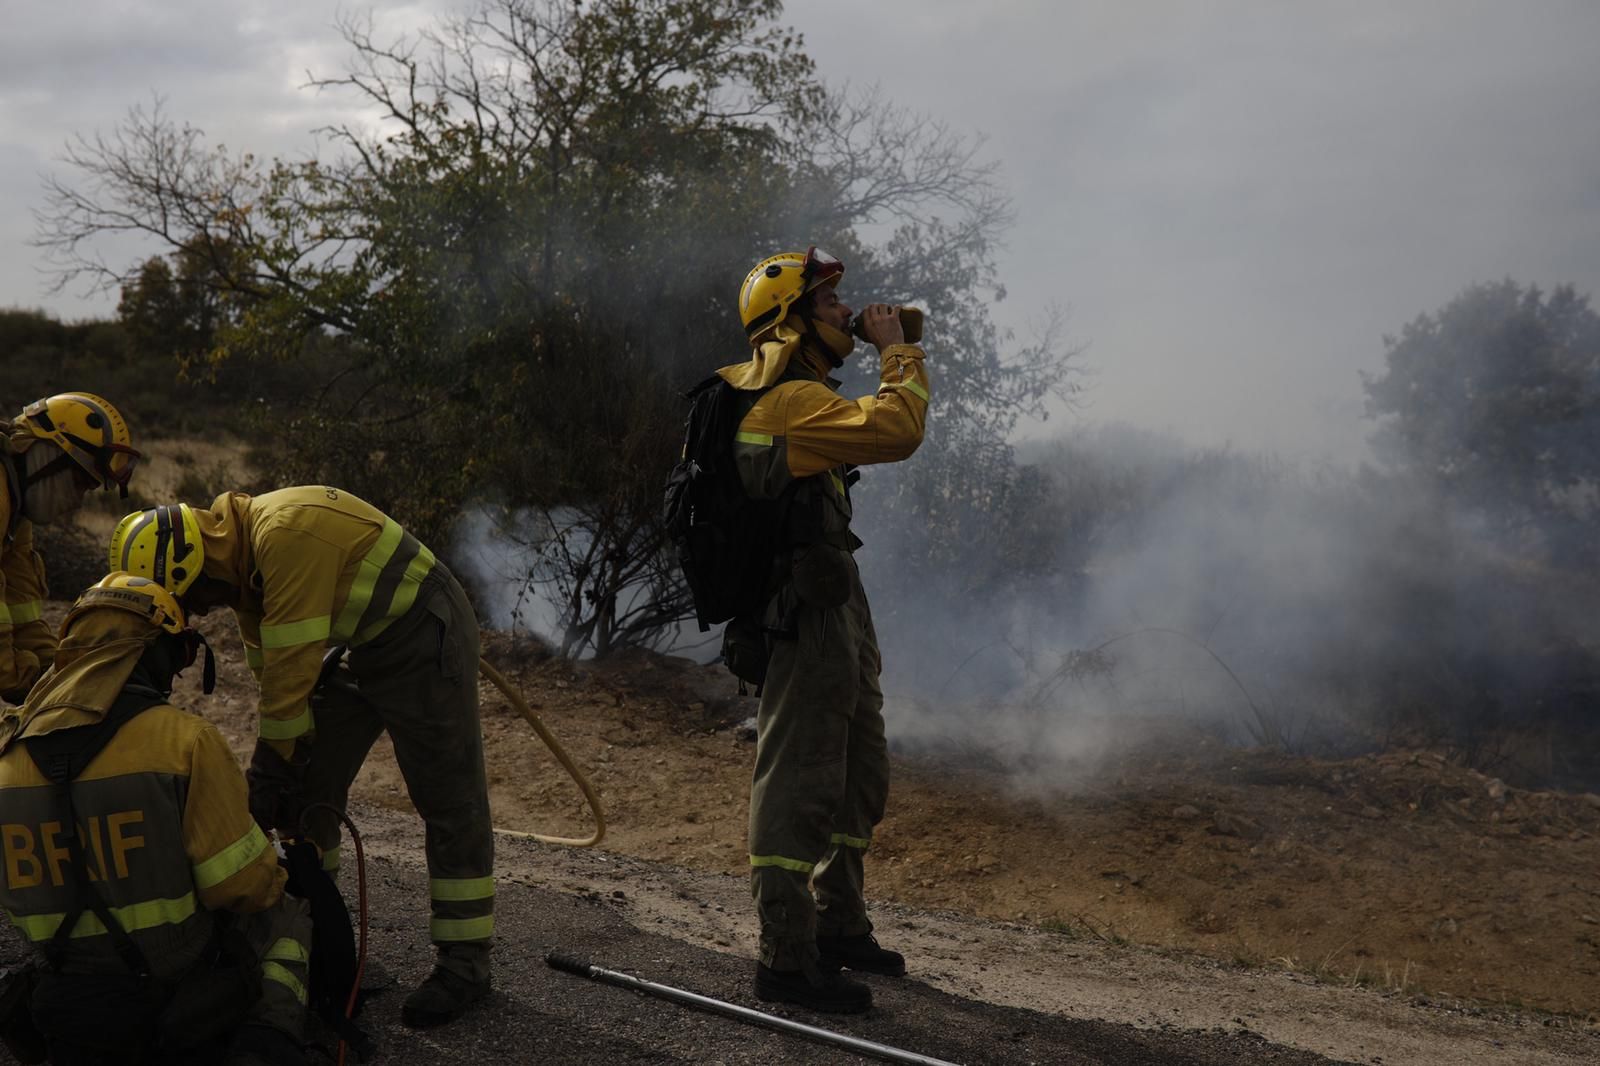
(562, 757)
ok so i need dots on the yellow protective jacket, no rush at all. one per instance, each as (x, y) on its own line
(801, 427)
(162, 813)
(317, 567)
(26, 643)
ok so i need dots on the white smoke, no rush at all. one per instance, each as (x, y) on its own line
(498, 559)
(1254, 600)
(516, 581)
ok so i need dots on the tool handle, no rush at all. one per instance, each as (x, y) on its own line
(589, 792)
(568, 964)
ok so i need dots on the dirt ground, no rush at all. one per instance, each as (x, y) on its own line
(1401, 874)
(1384, 909)
(979, 991)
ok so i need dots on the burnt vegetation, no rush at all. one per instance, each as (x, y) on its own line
(492, 299)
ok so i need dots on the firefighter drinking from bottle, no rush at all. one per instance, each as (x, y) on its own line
(822, 768)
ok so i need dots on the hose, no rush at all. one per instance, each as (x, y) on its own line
(330, 663)
(562, 757)
(361, 922)
(581, 968)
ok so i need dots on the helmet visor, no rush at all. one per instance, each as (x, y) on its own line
(819, 267)
(114, 463)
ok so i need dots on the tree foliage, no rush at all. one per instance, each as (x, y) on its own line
(519, 267)
(1495, 401)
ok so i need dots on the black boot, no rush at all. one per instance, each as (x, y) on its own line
(860, 953)
(442, 998)
(827, 991)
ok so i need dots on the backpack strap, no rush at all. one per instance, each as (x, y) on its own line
(62, 756)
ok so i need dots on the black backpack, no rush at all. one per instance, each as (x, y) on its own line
(725, 542)
(334, 957)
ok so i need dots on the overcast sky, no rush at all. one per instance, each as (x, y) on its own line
(1232, 201)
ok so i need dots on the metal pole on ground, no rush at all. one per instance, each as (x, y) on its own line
(568, 964)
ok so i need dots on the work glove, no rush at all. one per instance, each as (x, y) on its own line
(336, 686)
(27, 669)
(275, 784)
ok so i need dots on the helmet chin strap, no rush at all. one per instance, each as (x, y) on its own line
(208, 674)
(177, 652)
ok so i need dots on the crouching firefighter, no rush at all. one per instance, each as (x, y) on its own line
(308, 570)
(153, 902)
(821, 777)
(52, 454)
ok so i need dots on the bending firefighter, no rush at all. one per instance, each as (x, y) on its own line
(162, 925)
(822, 769)
(53, 453)
(310, 568)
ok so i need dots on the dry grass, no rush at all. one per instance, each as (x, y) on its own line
(1383, 976)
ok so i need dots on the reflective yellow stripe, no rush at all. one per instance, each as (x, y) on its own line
(365, 583)
(254, 658)
(330, 860)
(763, 439)
(231, 859)
(404, 596)
(271, 971)
(134, 917)
(850, 841)
(292, 634)
(461, 889)
(366, 579)
(22, 613)
(288, 949)
(838, 482)
(911, 387)
(778, 860)
(448, 930)
(287, 728)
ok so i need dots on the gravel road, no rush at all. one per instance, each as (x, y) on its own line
(978, 992)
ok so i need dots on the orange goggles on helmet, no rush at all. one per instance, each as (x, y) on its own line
(819, 266)
(115, 472)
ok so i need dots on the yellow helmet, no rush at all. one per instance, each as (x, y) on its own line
(130, 592)
(89, 431)
(777, 282)
(162, 544)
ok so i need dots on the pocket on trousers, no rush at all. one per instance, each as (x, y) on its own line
(825, 739)
(822, 757)
(821, 574)
(746, 650)
(443, 622)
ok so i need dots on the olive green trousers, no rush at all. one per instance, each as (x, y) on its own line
(419, 682)
(281, 936)
(821, 778)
